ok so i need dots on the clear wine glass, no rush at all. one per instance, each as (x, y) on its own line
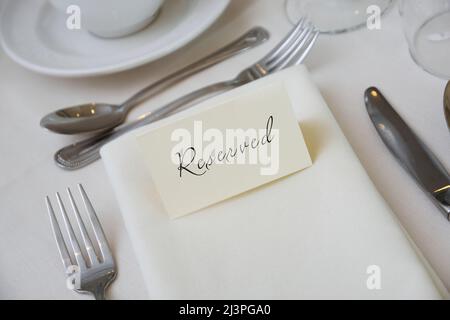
(427, 28)
(334, 16)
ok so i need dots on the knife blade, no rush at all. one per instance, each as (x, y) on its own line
(409, 150)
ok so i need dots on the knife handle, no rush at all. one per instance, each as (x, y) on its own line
(409, 150)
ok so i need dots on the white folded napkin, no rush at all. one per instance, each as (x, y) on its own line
(324, 232)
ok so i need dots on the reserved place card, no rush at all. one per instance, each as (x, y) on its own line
(245, 142)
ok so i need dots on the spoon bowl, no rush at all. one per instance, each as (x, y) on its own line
(86, 118)
(94, 117)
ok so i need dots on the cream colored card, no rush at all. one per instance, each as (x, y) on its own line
(225, 150)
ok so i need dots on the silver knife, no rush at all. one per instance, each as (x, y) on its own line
(412, 153)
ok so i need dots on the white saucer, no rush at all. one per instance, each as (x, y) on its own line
(34, 34)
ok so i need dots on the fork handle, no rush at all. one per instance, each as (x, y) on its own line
(250, 39)
(82, 153)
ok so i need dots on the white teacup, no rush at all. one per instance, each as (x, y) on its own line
(113, 18)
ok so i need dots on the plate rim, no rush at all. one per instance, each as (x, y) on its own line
(116, 67)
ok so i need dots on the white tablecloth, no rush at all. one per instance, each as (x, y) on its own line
(342, 67)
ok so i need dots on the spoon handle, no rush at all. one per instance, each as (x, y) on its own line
(250, 39)
(82, 153)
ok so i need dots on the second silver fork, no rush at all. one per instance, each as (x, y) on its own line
(94, 274)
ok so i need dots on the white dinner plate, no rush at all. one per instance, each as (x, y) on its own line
(34, 34)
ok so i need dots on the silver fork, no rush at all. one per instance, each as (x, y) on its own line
(96, 273)
(292, 50)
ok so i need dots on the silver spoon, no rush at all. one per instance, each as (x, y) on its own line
(92, 117)
(447, 104)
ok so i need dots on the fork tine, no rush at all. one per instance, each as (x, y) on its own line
(73, 240)
(96, 226)
(60, 243)
(87, 241)
(302, 55)
(284, 43)
(294, 46)
(299, 52)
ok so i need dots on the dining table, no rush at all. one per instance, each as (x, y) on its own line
(341, 65)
